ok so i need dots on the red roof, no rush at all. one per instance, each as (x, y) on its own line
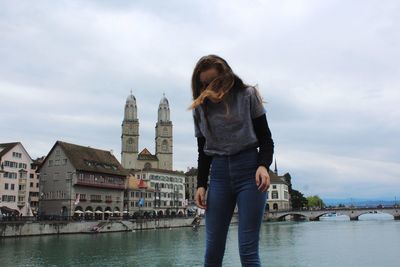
(142, 184)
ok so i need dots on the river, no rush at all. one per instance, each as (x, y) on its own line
(320, 243)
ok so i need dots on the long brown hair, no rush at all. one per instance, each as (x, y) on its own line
(226, 82)
(217, 88)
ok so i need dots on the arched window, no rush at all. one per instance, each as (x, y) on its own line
(147, 165)
(164, 145)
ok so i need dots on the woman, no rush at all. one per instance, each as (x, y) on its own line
(230, 123)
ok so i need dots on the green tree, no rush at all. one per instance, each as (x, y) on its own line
(315, 202)
(298, 200)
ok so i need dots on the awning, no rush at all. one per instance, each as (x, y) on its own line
(78, 211)
(98, 212)
(88, 211)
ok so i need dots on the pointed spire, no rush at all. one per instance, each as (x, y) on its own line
(276, 168)
(131, 91)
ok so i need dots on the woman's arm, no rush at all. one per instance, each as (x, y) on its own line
(203, 164)
(266, 150)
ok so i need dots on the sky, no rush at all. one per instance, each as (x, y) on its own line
(329, 72)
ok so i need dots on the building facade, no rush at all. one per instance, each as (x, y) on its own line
(19, 183)
(139, 198)
(81, 181)
(165, 187)
(278, 193)
(191, 185)
(130, 156)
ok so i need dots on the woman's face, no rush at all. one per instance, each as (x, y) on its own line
(207, 76)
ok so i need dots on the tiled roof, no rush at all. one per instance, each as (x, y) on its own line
(191, 172)
(135, 183)
(90, 159)
(275, 179)
(146, 155)
(5, 147)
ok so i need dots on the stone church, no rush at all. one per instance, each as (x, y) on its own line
(130, 156)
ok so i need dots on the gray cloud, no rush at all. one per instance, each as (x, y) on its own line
(328, 72)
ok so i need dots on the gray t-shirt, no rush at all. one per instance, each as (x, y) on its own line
(233, 133)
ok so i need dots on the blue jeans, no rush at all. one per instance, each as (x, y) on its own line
(232, 181)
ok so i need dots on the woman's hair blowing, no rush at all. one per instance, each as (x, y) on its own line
(219, 87)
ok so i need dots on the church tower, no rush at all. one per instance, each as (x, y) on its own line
(130, 134)
(164, 136)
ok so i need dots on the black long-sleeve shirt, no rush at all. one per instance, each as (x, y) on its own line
(264, 158)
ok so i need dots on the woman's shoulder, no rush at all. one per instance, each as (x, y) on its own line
(250, 90)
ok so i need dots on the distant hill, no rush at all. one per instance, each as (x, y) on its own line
(359, 202)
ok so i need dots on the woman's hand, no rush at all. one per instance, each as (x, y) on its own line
(200, 198)
(262, 178)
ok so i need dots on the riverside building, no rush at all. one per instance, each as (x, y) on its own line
(278, 192)
(165, 191)
(82, 182)
(19, 183)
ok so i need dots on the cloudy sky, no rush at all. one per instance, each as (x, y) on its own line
(329, 71)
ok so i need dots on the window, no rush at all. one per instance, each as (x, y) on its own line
(274, 194)
(16, 155)
(12, 186)
(31, 184)
(11, 164)
(95, 198)
(31, 176)
(286, 195)
(22, 166)
(274, 186)
(6, 198)
(5, 186)
(164, 145)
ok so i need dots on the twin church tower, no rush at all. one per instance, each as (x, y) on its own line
(130, 156)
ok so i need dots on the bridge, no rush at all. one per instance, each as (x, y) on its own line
(314, 215)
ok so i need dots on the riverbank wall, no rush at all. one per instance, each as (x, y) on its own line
(29, 228)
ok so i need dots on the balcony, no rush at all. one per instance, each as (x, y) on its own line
(99, 185)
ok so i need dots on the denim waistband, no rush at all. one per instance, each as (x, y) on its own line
(249, 150)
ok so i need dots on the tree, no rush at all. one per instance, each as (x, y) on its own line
(298, 200)
(315, 202)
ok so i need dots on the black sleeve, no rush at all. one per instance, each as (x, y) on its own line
(265, 141)
(203, 164)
